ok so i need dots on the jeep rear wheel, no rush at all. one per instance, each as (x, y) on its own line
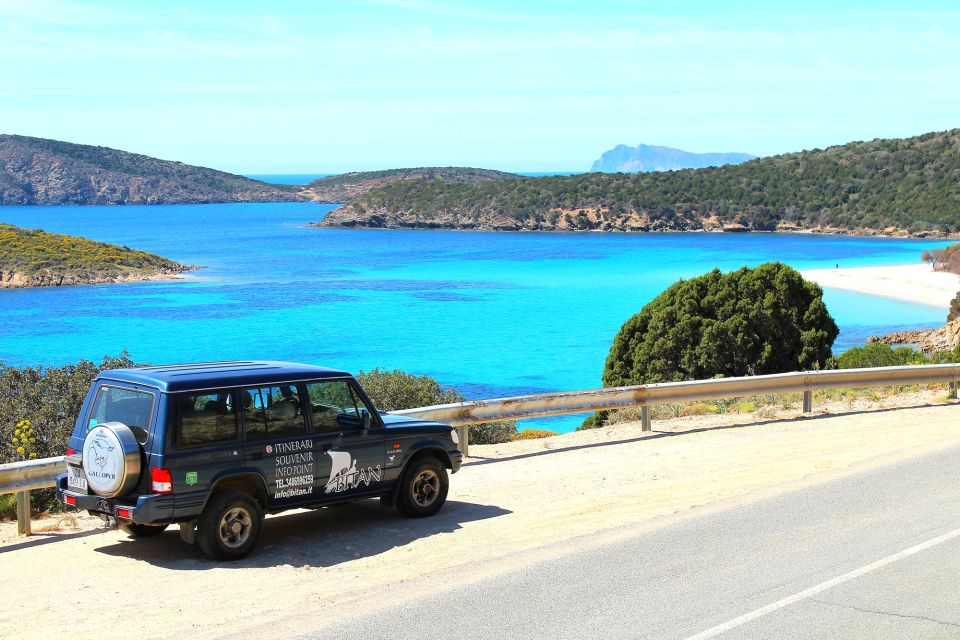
(141, 530)
(229, 526)
(423, 489)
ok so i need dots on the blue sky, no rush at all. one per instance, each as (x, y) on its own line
(331, 86)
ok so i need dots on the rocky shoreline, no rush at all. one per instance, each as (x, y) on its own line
(19, 280)
(944, 338)
(380, 218)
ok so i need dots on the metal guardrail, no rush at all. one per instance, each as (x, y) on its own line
(21, 477)
(463, 414)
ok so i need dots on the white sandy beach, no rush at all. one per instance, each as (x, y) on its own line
(917, 283)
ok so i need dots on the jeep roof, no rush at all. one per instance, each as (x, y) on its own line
(197, 376)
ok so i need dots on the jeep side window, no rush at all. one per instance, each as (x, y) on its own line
(334, 405)
(206, 418)
(272, 412)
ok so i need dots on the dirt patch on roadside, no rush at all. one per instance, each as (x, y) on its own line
(510, 503)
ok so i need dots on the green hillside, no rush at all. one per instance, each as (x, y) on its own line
(41, 171)
(910, 185)
(32, 257)
(348, 186)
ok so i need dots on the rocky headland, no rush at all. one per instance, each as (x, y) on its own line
(893, 187)
(35, 258)
(50, 172)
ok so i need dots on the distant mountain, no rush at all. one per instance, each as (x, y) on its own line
(41, 171)
(345, 187)
(645, 157)
(893, 187)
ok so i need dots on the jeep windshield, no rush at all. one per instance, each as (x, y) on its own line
(132, 408)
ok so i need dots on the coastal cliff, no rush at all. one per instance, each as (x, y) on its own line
(35, 258)
(50, 172)
(896, 187)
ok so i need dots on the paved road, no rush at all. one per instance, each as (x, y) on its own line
(797, 565)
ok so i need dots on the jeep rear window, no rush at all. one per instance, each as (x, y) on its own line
(132, 408)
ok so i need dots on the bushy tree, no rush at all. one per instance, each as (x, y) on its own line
(755, 321)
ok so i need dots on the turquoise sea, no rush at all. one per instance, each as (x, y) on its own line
(492, 314)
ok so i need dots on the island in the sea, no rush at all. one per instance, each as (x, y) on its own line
(649, 157)
(35, 258)
(897, 187)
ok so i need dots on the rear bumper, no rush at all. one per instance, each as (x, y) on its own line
(151, 509)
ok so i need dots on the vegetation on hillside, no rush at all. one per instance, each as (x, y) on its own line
(462, 175)
(41, 171)
(908, 184)
(25, 253)
(348, 186)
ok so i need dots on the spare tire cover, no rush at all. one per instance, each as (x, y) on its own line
(111, 459)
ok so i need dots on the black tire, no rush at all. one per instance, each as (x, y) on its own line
(229, 526)
(423, 489)
(141, 530)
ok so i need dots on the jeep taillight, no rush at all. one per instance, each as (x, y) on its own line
(161, 481)
(71, 451)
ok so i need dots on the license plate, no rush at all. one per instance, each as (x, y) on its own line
(76, 479)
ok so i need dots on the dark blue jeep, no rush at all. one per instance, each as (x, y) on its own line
(214, 446)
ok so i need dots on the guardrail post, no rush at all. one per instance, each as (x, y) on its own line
(463, 435)
(645, 418)
(807, 401)
(953, 390)
(23, 513)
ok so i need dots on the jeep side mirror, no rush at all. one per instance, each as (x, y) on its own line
(364, 421)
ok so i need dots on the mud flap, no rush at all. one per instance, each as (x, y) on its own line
(188, 531)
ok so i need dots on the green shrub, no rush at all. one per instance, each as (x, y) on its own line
(8, 506)
(747, 322)
(39, 407)
(876, 354)
(493, 432)
(534, 434)
(395, 390)
(591, 422)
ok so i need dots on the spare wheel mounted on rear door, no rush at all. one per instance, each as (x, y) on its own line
(111, 459)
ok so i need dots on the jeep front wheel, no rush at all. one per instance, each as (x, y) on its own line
(141, 530)
(423, 489)
(229, 526)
